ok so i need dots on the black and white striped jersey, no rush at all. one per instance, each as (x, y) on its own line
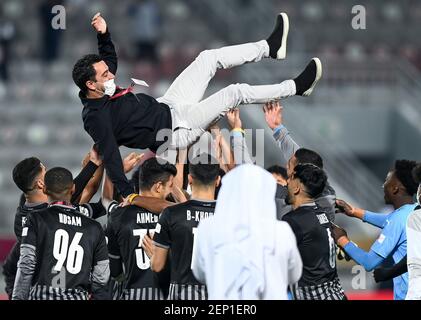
(63, 253)
(175, 231)
(126, 228)
(317, 248)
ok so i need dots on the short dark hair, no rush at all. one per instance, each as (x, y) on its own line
(312, 177)
(304, 155)
(58, 181)
(153, 171)
(84, 70)
(278, 170)
(204, 169)
(416, 173)
(403, 170)
(25, 172)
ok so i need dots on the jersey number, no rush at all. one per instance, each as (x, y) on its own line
(62, 252)
(142, 260)
(332, 249)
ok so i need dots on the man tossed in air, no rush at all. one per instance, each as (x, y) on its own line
(114, 117)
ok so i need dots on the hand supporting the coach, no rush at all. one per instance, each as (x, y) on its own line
(273, 114)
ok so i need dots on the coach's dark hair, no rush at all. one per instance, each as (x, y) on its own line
(58, 181)
(204, 169)
(312, 177)
(403, 170)
(304, 155)
(416, 173)
(278, 170)
(25, 172)
(153, 171)
(84, 70)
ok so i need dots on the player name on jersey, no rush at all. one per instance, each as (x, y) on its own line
(197, 215)
(70, 220)
(146, 217)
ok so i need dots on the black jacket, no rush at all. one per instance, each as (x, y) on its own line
(129, 120)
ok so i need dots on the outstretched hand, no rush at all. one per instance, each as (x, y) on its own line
(234, 120)
(131, 161)
(99, 24)
(342, 206)
(273, 114)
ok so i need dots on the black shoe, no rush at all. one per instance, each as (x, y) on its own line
(307, 80)
(277, 41)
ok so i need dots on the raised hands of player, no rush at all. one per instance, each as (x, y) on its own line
(86, 159)
(339, 235)
(148, 246)
(131, 161)
(344, 207)
(94, 156)
(234, 120)
(99, 24)
(273, 114)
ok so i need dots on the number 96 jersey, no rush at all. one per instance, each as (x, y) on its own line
(68, 247)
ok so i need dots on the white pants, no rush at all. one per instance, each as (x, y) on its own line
(191, 115)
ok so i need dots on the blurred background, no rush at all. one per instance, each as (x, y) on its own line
(364, 114)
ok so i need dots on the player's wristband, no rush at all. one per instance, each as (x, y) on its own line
(238, 130)
(131, 197)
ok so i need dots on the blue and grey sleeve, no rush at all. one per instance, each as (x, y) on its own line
(285, 142)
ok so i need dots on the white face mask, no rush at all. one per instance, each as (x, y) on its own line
(109, 87)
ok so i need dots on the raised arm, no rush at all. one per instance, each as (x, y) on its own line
(90, 164)
(223, 152)
(106, 47)
(274, 119)
(238, 142)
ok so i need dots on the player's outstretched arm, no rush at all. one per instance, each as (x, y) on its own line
(106, 47)
(375, 219)
(274, 119)
(369, 260)
(90, 164)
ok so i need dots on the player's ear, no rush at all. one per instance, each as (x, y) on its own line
(298, 189)
(218, 181)
(73, 189)
(40, 184)
(90, 85)
(158, 187)
(190, 179)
